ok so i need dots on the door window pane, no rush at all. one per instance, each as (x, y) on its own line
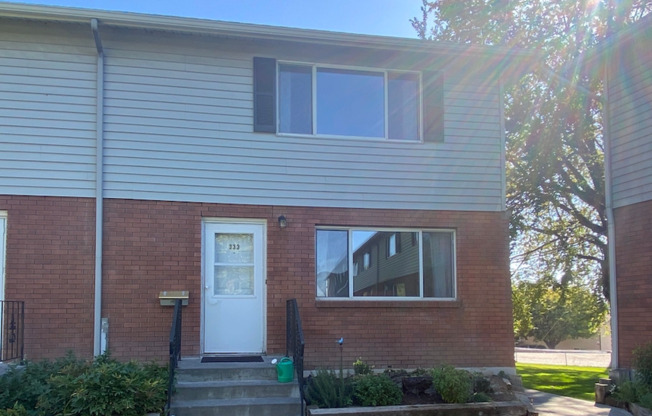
(234, 268)
(350, 103)
(332, 263)
(233, 281)
(295, 99)
(403, 106)
(438, 264)
(234, 248)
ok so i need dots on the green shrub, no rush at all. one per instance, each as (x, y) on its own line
(629, 392)
(361, 368)
(112, 388)
(376, 390)
(646, 400)
(480, 397)
(643, 364)
(481, 384)
(17, 410)
(454, 386)
(26, 385)
(70, 386)
(325, 389)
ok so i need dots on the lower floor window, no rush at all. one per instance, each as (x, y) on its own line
(425, 269)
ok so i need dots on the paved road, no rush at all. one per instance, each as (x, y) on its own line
(551, 405)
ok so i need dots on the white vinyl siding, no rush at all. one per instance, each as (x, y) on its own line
(47, 112)
(177, 130)
(630, 95)
(178, 125)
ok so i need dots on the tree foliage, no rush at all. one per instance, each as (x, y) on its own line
(555, 174)
(552, 312)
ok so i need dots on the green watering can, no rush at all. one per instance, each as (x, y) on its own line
(285, 370)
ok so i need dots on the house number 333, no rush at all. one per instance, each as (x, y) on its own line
(234, 246)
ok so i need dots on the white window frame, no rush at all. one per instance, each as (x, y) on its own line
(384, 71)
(420, 232)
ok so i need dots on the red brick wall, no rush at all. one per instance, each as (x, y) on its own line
(50, 265)
(634, 278)
(153, 246)
(150, 246)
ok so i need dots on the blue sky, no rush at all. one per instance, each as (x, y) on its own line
(373, 17)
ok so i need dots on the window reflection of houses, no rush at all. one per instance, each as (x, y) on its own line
(388, 265)
(337, 282)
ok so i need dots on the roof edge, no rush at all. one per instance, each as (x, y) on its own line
(243, 30)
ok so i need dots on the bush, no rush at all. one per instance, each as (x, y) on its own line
(377, 390)
(327, 390)
(17, 410)
(481, 384)
(454, 386)
(75, 387)
(643, 365)
(480, 397)
(26, 385)
(629, 392)
(361, 368)
(646, 400)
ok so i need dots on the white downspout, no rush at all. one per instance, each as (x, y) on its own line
(98, 348)
(611, 226)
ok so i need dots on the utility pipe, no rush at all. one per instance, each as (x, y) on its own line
(99, 188)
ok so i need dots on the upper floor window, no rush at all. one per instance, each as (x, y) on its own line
(322, 100)
(348, 102)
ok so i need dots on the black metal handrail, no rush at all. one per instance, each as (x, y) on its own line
(295, 344)
(12, 330)
(175, 349)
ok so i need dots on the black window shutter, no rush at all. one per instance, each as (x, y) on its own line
(265, 95)
(433, 107)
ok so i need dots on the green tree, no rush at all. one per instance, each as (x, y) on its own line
(555, 175)
(552, 312)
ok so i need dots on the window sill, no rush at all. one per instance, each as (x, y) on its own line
(418, 303)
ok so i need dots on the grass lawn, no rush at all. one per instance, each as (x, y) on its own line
(577, 382)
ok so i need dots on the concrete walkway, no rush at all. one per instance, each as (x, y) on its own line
(552, 405)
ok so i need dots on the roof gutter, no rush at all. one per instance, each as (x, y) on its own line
(98, 348)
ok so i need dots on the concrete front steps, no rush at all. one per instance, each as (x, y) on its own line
(233, 389)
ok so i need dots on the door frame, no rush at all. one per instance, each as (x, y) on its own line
(231, 221)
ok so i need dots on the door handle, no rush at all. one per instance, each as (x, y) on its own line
(206, 287)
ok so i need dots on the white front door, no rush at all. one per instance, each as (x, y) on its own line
(234, 288)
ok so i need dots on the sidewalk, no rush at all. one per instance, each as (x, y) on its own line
(552, 405)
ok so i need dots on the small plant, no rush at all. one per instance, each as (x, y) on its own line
(646, 400)
(629, 391)
(643, 365)
(377, 390)
(17, 410)
(71, 387)
(361, 368)
(480, 397)
(481, 384)
(327, 390)
(454, 386)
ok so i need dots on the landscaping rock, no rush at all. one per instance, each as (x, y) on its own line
(417, 385)
(638, 410)
(501, 391)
